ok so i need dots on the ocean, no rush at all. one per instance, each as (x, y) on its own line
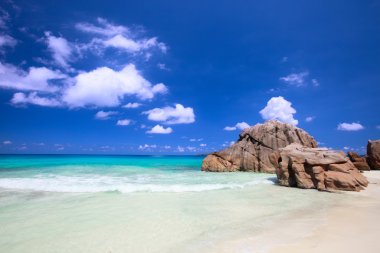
(73, 203)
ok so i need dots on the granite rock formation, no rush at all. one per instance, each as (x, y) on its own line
(359, 162)
(255, 144)
(316, 168)
(373, 154)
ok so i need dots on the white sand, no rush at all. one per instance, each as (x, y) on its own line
(352, 226)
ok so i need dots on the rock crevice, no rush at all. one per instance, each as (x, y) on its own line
(255, 144)
(316, 168)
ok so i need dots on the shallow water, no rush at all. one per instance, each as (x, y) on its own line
(138, 204)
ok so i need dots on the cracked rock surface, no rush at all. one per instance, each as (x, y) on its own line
(317, 168)
(253, 149)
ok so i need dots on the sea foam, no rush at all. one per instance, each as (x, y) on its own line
(95, 183)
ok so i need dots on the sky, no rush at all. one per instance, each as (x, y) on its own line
(185, 77)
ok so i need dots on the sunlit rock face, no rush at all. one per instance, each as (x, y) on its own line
(316, 168)
(255, 145)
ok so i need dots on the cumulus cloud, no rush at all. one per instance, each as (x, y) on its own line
(280, 109)
(132, 105)
(296, 79)
(203, 145)
(240, 126)
(172, 115)
(33, 98)
(157, 129)
(60, 49)
(310, 118)
(104, 115)
(7, 142)
(35, 79)
(350, 126)
(105, 87)
(124, 122)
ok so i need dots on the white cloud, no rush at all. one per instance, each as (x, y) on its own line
(119, 37)
(280, 109)
(34, 99)
(227, 144)
(132, 105)
(132, 46)
(180, 149)
(104, 28)
(159, 88)
(7, 142)
(124, 122)
(172, 115)
(104, 87)
(193, 139)
(241, 126)
(284, 59)
(157, 129)
(60, 48)
(104, 115)
(310, 118)
(296, 79)
(146, 146)
(315, 82)
(191, 148)
(203, 145)
(7, 41)
(167, 147)
(378, 127)
(162, 66)
(350, 126)
(37, 79)
(4, 18)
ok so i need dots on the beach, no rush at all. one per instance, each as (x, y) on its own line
(347, 226)
(166, 204)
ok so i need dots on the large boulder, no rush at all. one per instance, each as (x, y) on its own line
(359, 162)
(255, 144)
(373, 154)
(316, 168)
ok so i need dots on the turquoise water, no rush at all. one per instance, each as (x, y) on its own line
(141, 204)
(115, 173)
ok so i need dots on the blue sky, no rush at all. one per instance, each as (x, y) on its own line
(184, 77)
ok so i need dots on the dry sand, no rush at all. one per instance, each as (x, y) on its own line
(352, 226)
